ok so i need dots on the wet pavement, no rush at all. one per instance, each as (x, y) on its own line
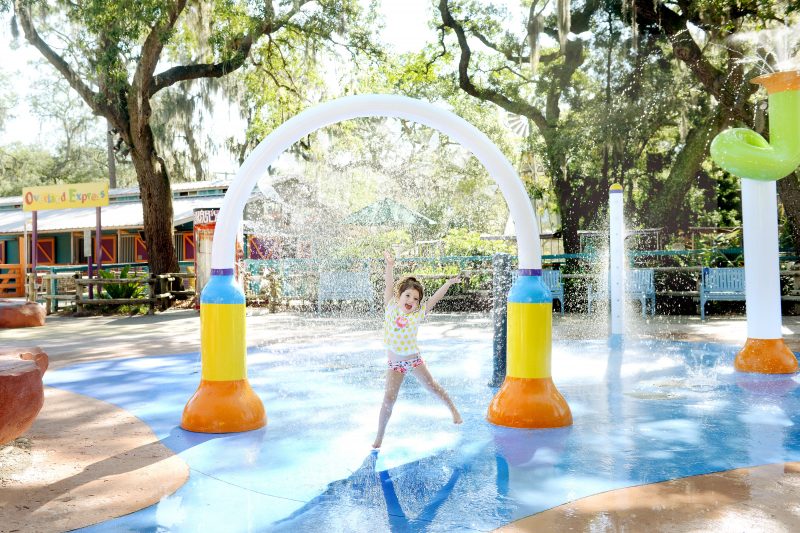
(656, 409)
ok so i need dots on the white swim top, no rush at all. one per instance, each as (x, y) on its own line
(400, 329)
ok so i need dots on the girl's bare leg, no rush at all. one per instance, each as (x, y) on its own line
(393, 382)
(424, 377)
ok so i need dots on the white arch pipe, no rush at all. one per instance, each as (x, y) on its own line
(377, 105)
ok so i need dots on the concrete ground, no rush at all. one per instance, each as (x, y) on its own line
(72, 471)
(69, 340)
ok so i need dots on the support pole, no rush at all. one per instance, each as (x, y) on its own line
(34, 254)
(224, 402)
(765, 350)
(98, 248)
(501, 284)
(528, 397)
(760, 164)
(87, 251)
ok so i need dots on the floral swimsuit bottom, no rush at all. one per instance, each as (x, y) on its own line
(404, 367)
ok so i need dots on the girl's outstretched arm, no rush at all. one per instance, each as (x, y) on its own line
(388, 277)
(439, 294)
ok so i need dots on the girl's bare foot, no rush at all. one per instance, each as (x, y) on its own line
(457, 418)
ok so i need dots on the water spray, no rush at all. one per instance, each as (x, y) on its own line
(224, 401)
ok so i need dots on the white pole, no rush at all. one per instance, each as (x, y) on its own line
(616, 259)
(761, 267)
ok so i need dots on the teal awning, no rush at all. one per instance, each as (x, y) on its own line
(387, 212)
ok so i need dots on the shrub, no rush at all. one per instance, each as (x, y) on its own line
(462, 242)
(115, 291)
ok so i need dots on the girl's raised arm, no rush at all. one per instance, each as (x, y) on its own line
(439, 294)
(388, 277)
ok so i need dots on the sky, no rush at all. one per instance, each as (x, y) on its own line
(407, 23)
(407, 28)
(23, 128)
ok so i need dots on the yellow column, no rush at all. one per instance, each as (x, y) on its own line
(224, 402)
(528, 398)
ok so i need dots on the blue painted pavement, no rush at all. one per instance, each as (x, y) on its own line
(644, 412)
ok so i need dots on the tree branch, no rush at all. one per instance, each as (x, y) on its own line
(152, 47)
(93, 99)
(443, 52)
(464, 81)
(239, 53)
(546, 58)
(726, 87)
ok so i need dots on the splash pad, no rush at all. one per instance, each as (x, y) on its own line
(649, 411)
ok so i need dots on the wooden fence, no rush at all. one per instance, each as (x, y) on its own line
(74, 289)
(11, 281)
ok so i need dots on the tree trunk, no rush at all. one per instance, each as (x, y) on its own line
(153, 178)
(112, 162)
(789, 191)
(668, 210)
(156, 196)
(158, 214)
(569, 230)
(569, 211)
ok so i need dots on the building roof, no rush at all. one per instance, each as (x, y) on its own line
(123, 215)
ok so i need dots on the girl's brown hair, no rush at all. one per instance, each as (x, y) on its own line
(408, 282)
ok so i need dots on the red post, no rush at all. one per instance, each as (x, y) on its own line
(34, 249)
(97, 245)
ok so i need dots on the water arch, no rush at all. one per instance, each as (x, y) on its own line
(224, 401)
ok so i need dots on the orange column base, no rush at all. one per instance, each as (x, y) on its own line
(766, 356)
(223, 407)
(532, 403)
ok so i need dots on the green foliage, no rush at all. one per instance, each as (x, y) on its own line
(22, 166)
(118, 55)
(292, 70)
(605, 112)
(115, 291)
(712, 244)
(726, 208)
(8, 99)
(785, 239)
(433, 276)
(28, 166)
(178, 119)
(75, 149)
(608, 109)
(461, 242)
(373, 244)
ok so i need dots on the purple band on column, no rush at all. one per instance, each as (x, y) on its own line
(222, 272)
(530, 271)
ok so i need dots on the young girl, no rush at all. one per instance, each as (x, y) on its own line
(404, 313)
